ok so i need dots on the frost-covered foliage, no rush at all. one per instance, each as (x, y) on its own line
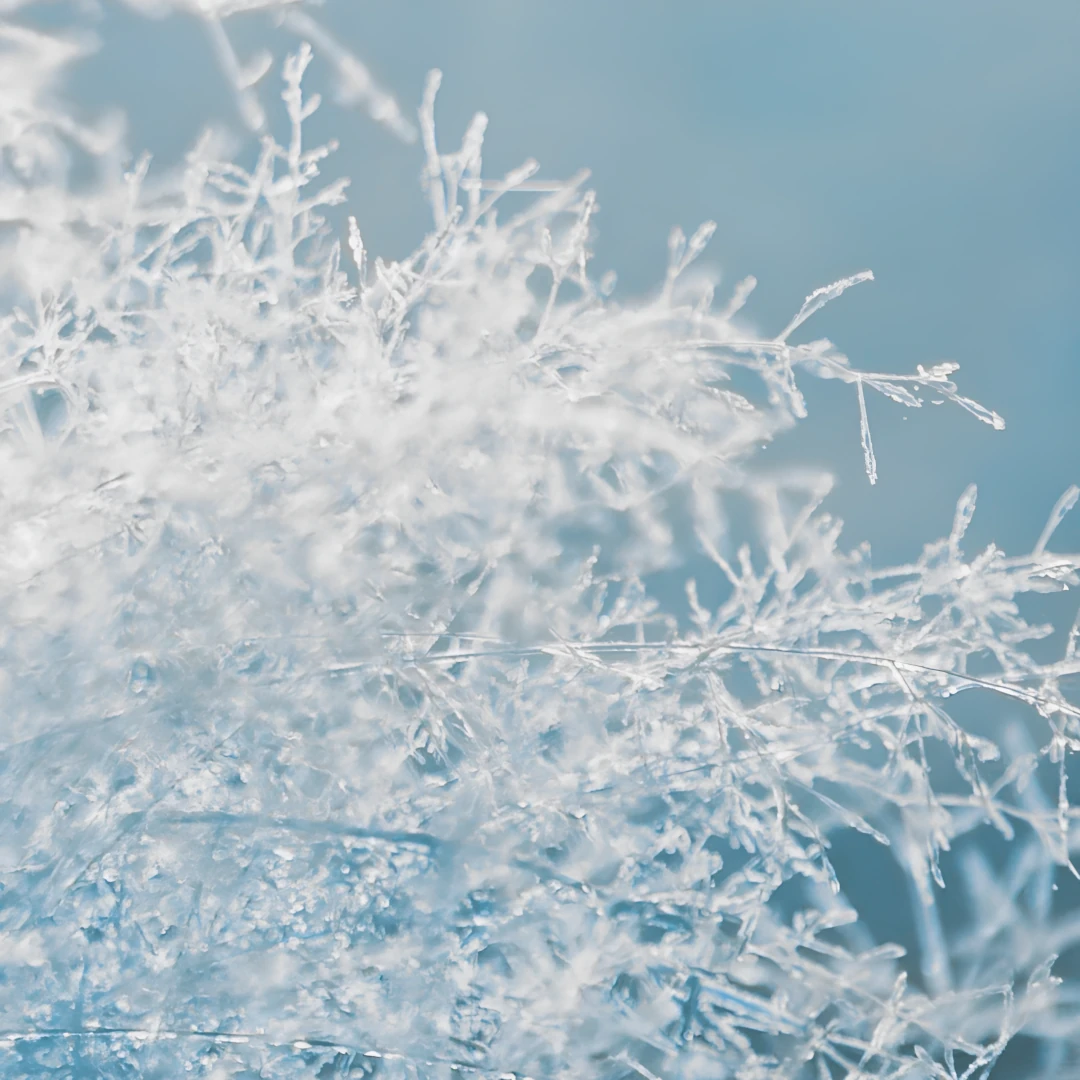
(408, 673)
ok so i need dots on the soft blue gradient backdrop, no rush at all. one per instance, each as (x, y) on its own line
(934, 142)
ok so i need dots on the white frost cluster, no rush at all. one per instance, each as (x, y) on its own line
(406, 671)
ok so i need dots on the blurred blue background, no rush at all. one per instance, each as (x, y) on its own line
(935, 143)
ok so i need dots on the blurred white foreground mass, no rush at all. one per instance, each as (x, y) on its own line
(408, 672)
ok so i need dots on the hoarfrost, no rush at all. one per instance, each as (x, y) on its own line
(344, 728)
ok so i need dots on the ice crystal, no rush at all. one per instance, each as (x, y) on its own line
(407, 672)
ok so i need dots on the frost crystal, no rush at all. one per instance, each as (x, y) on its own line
(406, 671)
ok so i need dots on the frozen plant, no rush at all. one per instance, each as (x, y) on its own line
(352, 726)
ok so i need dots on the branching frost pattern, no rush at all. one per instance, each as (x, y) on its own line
(347, 729)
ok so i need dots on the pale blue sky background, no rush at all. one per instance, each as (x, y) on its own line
(934, 141)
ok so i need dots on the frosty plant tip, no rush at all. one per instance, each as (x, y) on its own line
(406, 670)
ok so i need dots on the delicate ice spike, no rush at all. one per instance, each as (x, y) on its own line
(698, 242)
(1057, 515)
(739, 297)
(864, 430)
(820, 297)
(681, 252)
(987, 416)
(356, 247)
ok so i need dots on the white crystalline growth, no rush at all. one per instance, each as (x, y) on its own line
(345, 729)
